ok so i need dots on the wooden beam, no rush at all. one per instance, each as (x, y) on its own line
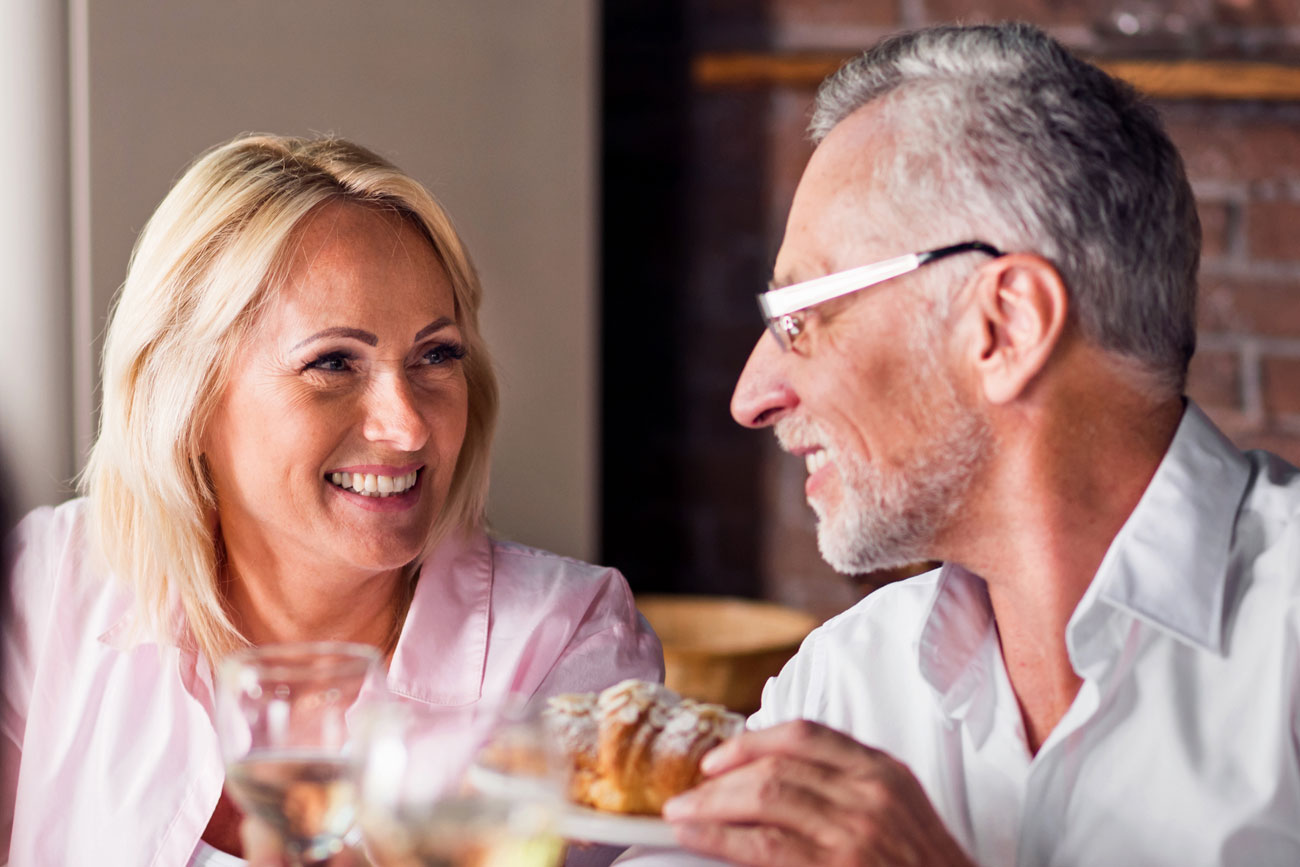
(1159, 79)
(739, 69)
(1209, 79)
(753, 69)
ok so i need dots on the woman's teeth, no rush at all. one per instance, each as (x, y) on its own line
(372, 485)
(814, 461)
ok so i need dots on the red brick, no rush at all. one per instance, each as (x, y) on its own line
(1217, 147)
(787, 15)
(1273, 230)
(1044, 13)
(1215, 379)
(1215, 219)
(1269, 308)
(1280, 380)
(1273, 14)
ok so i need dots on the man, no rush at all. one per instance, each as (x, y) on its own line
(1107, 669)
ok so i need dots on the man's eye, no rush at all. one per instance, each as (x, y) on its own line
(444, 352)
(332, 362)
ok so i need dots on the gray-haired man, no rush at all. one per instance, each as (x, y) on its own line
(1107, 668)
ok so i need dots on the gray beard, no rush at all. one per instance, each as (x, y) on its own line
(890, 516)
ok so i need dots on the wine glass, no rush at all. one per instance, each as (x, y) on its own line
(283, 714)
(474, 786)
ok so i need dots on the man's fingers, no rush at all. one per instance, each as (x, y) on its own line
(802, 806)
(809, 741)
(772, 790)
(804, 794)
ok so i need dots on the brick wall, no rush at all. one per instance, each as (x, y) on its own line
(1244, 161)
(737, 500)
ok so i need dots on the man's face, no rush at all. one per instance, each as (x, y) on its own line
(868, 396)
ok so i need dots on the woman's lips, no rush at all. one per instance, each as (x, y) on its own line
(372, 484)
(378, 491)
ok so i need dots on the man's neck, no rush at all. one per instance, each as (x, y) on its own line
(1067, 478)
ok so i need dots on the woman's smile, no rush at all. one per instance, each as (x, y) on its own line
(377, 489)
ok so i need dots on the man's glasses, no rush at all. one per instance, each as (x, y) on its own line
(781, 307)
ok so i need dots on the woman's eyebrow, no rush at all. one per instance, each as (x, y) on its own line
(340, 331)
(436, 325)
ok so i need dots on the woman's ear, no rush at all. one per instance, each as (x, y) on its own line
(1022, 304)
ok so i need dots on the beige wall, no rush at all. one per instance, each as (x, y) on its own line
(491, 103)
(36, 418)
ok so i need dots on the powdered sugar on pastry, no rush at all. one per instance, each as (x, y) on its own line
(636, 744)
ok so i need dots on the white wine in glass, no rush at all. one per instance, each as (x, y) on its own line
(283, 719)
(458, 787)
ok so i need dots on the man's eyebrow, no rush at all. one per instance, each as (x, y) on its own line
(339, 331)
(436, 325)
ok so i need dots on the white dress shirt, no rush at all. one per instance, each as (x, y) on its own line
(1183, 745)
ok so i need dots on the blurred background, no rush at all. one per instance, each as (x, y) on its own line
(621, 172)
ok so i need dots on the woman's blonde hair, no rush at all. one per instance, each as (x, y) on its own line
(201, 270)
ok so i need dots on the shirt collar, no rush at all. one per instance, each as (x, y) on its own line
(1168, 565)
(130, 629)
(442, 650)
(953, 647)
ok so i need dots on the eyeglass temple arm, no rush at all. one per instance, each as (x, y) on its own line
(778, 302)
(952, 250)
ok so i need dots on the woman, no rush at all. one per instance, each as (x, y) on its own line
(297, 415)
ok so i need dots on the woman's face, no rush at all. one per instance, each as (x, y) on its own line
(350, 382)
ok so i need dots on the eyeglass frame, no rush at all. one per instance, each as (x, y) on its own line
(780, 307)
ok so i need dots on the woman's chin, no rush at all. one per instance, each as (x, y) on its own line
(370, 550)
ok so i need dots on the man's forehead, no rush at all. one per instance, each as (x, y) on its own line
(840, 216)
(808, 255)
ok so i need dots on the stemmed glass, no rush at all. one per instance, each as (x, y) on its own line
(475, 786)
(283, 714)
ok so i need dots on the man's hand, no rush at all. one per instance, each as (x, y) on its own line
(803, 794)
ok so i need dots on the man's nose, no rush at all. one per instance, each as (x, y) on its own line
(763, 394)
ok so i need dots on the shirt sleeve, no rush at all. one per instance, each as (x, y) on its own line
(788, 695)
(34, 555)
(612, 642)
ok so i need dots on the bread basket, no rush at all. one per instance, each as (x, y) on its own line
(723, 649)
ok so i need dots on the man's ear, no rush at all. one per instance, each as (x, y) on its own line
(1022, 304)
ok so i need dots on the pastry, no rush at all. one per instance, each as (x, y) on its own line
(636, 744)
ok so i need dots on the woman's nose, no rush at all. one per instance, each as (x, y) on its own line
(763, 393)
(393, 415)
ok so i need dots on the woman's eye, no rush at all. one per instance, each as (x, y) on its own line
(332, 362)
(444, 352)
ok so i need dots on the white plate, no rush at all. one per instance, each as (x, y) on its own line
(585, 824)
(594, 826)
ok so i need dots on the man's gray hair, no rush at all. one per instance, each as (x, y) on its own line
(1001, 133)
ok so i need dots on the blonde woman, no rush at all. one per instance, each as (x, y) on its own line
(297, 417)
